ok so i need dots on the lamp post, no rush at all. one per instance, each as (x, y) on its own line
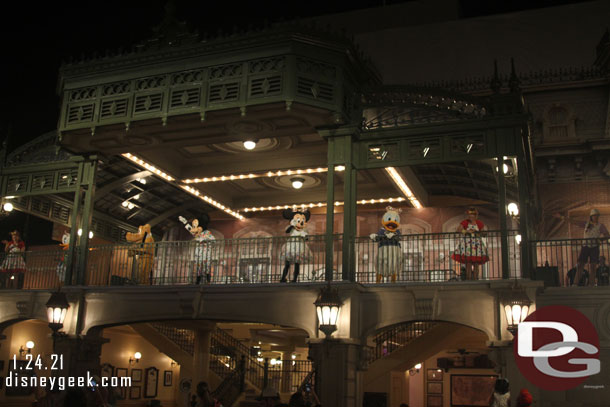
(328, 306)
(57, 306)
(516, 307)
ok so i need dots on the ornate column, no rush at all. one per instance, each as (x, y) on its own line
(201, 352)
(337, 363)
(80, 354)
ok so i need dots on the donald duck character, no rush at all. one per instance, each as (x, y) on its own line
(296, 250)
(61, 267)
(203, 249)
(389, 257)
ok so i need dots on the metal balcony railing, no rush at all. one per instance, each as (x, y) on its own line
(252, 261)
(396, 337)
(41, 269)
(420, 258)
(428, 257)
(558, 261)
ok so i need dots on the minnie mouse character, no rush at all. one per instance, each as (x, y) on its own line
(203, 249)
(389, 258)
(13, 266)
(296, 249)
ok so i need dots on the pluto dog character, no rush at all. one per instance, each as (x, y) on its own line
(203, 249)
(389, 257)
(296, 249)
(144, 254)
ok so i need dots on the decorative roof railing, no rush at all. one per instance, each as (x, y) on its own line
(284, 64)
(543, 77)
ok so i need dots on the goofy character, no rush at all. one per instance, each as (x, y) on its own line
(389, 257)
(203, 249)
(296, 249)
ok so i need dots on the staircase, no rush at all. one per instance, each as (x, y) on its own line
(227, 360)
(403, 346)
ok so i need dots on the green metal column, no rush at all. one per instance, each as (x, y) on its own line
(70, 257)
(502, 211)
(88, 186)
(330, 210)
(524, 217)
(349, 212)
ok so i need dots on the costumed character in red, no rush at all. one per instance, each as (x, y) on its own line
(202, 255)
(143, 254)
(12, 270)
(471, 250)
(296, 249)
(389, 257)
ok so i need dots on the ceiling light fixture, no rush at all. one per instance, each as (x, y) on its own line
(277, 173)
(404, 188)
(249, 144)
(297, 183)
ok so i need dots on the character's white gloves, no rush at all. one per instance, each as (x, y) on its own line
(182, 219)
(373, 236)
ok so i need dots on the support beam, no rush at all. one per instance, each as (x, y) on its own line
(330, 209)
(173, 212)
(88, 187)
(502, 212)
(349, 211)
(109, 187)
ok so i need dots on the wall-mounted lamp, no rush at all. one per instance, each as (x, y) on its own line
(27, 349)
(328, 306)
(297, 183)
(415, 369)
(80, 233)
(513, 210)
(136, 358)
(172, 363)
(8, 207)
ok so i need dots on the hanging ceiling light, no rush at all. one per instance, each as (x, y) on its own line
(249, 144)
(8, 207)
(297, 183)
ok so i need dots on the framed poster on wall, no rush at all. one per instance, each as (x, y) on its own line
(435, 401)
(471, 390)
(151, 381)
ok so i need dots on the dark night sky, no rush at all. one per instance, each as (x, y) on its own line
(38, 36)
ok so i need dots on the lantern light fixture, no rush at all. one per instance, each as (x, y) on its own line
(57, 307)
(516, 308)
(328, 305)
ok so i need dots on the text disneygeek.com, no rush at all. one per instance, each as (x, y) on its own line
(16, 380)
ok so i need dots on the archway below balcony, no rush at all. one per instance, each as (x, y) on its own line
(418, 361)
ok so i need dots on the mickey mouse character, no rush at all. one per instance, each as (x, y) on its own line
(296, 249)
(389, 257)
(203, 249)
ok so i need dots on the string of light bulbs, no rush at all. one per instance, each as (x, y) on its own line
(278, 173)
(321, 204)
